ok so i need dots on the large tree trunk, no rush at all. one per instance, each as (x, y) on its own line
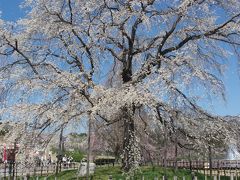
(128, 143)
(131, 153)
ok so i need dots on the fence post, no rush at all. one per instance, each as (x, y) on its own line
(183, 178)
(41, 170)
(197, 165)
(143, 177)
(15, 172)
(175, 178)
(231, 177)
(155, 178)
(236, 172)
(34, 171)
(5, 169)
(215, 177)
(195, 178)
(205, 177)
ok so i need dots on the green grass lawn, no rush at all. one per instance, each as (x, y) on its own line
(149, 173)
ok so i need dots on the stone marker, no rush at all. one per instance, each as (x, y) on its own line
(83, 169)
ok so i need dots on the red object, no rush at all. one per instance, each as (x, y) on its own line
(4, 154)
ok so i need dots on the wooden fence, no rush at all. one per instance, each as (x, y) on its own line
(216, 164)
(220, 168)
(8, 170)
(232, 177)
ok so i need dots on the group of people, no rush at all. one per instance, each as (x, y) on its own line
(65, 160)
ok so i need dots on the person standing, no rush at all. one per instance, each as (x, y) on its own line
(49, 159)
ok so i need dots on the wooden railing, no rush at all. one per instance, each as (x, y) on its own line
(216, 164)
(7, 169)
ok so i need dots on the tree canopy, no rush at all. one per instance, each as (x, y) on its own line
(115, 60)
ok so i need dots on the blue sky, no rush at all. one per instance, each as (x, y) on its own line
(11, 11)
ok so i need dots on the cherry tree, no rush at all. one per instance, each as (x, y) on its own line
(164, 59)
